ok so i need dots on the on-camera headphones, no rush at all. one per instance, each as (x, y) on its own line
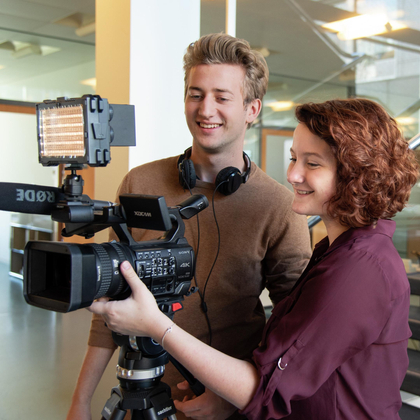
(228, 180)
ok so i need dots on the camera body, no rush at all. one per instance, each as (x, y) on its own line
(64, 277)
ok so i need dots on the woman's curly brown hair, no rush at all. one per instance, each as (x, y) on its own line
(375, 168)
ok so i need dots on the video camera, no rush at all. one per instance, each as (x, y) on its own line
(64, 277)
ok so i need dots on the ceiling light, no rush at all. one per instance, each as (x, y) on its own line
(47, 50)
(89, 82)
(83, 22)
(7, 45)
(22, 49)
(86, 29)
(279, 106)
(265, 52)
(31, 49)
(406, 120)
(363, 26)
(2, 67)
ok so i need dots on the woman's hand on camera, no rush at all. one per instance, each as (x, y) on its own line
(138, 314)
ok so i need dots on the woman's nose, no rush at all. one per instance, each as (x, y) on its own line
(294, 173)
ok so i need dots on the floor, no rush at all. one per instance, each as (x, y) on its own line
(40, 356)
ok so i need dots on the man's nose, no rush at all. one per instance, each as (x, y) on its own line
(207, 108)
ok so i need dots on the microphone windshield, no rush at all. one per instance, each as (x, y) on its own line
(28, 198)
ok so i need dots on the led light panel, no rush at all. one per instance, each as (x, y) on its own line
(62, 132)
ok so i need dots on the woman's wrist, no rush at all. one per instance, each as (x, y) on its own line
(163, 326)
(168, 331)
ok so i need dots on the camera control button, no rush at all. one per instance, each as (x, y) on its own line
(176, 306)
(140, 269)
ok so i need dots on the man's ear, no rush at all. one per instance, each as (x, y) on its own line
(253, 109)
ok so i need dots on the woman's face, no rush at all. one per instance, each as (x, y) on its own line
(312, 173)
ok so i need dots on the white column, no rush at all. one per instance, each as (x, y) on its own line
(139, 50)
(231, 17)
(161, 30)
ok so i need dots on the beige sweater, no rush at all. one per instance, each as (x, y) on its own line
(263, 244)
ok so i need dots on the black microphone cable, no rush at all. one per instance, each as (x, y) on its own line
(203, 294)
(204, 305)
(197, 288)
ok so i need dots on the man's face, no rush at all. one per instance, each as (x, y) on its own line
(214, 107)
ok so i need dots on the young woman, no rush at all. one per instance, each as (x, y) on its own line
(336, 347)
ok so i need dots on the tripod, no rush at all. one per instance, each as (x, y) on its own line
(141, 365)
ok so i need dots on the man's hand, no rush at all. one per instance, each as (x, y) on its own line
(207, 406)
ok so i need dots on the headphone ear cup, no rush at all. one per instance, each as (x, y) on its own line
(187, 176)
(228, 180)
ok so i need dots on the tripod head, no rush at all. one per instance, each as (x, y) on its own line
(141, 366)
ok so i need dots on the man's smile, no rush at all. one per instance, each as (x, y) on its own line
(204, 125)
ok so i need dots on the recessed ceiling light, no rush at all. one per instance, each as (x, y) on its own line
(406, 120)
(89, 82)
(363, 26)
(279, 106)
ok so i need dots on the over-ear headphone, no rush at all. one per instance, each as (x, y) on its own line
(228, 180)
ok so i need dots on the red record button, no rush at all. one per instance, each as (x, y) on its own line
(176, 307)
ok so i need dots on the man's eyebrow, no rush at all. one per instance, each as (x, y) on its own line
(224, 91)
(218, 90)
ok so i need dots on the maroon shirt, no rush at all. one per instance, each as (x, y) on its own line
(336, 347)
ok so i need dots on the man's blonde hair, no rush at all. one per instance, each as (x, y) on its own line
(225, 49)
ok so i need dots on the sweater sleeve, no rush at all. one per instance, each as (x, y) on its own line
(338, 312)
(100, 335)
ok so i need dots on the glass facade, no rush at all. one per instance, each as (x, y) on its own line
(311, 62)
(312, 56)
(34, 67)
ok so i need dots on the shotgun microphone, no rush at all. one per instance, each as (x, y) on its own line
(29, 198)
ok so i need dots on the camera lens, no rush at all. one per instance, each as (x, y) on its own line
(110, 282)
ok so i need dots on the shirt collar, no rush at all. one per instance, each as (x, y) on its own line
(383, 227)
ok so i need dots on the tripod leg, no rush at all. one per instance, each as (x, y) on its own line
(111, 410)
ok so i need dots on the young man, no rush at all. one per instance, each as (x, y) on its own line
(263, 243)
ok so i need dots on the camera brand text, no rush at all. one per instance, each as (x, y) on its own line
(142, 213)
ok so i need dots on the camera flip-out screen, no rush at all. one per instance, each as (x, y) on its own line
(82, 130)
